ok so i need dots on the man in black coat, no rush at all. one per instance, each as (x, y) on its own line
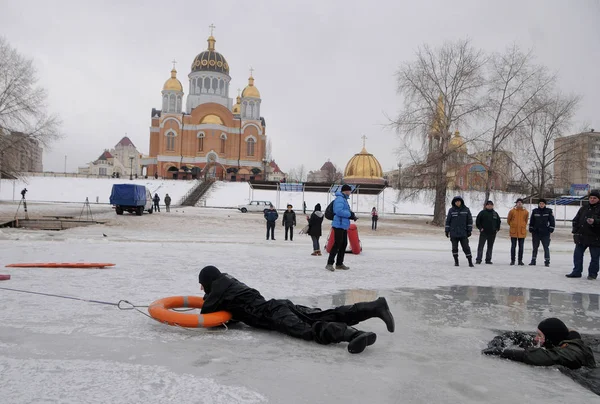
(541, 225)
(224, 292)
(586, 234)
(459, 225)
(271, 216)
(488, 223)
(289, 221)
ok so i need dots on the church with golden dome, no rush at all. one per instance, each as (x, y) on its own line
(363, 168)
(210, 135)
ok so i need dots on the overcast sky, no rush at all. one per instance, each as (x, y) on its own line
(325, 69)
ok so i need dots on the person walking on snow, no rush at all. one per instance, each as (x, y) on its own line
(488, 223)
(289, 221)
(517, 220)
(168, 202)
(459, 225)
(225, 293)
(314, 228)
(271, 216)
(340, 223)
(586, 234)
(374, 218)
(541, 225)
(156, 200)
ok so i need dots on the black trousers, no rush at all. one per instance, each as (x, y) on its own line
(313, 324)
(339, 247)
(464, 243)
(545, 240)
(271, 227)
(513, 246)
(484, 238)
(168, 207)
(156, 207)
(290, 228)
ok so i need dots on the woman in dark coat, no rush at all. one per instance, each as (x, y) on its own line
(314, 228)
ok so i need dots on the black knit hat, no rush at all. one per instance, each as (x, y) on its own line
(346, 187)
(318, 207)
(595, 193)
(489, 203)
(519, 200)
(555, 331)
(207, 276)
(542, 200)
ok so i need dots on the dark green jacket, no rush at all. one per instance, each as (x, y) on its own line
(572, 354)
(488, 221)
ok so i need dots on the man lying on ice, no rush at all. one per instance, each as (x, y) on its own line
(225, 293)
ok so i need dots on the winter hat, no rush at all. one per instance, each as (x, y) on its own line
(207, 276)
(489, 203)
(595, 193)
(318, 207)
(346, 187)
(289, 205)
(542, 200)
(554, 330)
(519, 200)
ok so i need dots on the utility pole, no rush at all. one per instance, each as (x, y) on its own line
(65, 163)
(130, 168)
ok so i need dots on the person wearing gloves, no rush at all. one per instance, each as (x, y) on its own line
(340, 224)
(541, 225)
(459, 225)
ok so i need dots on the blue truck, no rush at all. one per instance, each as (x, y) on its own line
(132, 198)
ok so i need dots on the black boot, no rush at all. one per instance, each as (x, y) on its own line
(456, 260)
(358, 340)
(384, 313)
(377, 308)
(532, 263)
(470, 259)
(547, 263)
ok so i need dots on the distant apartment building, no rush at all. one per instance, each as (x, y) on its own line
(577, 161)
(20, 153)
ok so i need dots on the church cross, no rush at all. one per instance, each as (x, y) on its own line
(212, 27)
(174, 62)
(251, 71)
(364, 138)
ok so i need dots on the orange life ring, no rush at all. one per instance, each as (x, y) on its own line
(61, 265)
(159, 310)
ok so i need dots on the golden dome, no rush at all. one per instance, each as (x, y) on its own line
(173, 84)
(457, 143)
(363, 167)
(250, 91)
(210, 60)
(212, 119)
(237, 107)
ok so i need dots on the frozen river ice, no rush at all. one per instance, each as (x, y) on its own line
(56, 350)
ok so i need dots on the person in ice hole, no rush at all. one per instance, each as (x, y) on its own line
(554, 344)
(224, 292)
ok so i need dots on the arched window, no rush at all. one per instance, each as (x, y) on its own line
(223, 140)
(200, 141)
(165, 102)
(172, 103)
(215, 85)
(206, 85)
(250, 147)
(222, 87)
(178, 103)
(170, 140)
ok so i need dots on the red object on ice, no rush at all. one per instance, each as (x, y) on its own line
(61, 265)
(4, 277)
(353, 240)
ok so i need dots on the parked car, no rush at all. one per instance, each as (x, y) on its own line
(254, 206)
(132, 198)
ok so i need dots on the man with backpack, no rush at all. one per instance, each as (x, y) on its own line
(340, 215)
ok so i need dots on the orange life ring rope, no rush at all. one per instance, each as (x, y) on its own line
(159, 310)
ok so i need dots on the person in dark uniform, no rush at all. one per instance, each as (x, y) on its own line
(271, 216)
(288, 222)
(488, 223)
(459, 225)
(541, 225)
(556, 345)
(225, 293)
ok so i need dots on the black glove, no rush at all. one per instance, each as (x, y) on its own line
(447, 234)
(551, 230)
(353, 217)
(531, 229)
(495, 350)
(468, 234)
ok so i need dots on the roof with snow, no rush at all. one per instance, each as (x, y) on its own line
(125, 142)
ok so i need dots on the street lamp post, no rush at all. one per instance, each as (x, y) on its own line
(399, 174)
(130, 168)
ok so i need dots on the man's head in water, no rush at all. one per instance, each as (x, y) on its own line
(207, 276)
(551, 332)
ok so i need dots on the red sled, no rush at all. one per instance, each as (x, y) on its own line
(4, 277)
(353, 240)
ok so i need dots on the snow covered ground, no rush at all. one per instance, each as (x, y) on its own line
(55, 350)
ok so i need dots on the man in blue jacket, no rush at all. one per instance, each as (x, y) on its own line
(541, 225)
(271, 216)
(340, 224)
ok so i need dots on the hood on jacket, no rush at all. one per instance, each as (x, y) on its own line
(339, 193)
(207, 276)
(458, 198)
(317, 207)
(318, 213)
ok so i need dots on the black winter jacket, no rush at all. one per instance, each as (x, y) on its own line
(289, 218)
(246, 304)
(459, 222)
(488, 221)
(541, 221)
(314, 224)
(585, 233)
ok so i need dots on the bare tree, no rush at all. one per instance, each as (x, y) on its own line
(441, 87)
(540, 133)
(22, 107)
(517, 89)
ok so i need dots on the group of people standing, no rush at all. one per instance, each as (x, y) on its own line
(156, 202)
(459, 227)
